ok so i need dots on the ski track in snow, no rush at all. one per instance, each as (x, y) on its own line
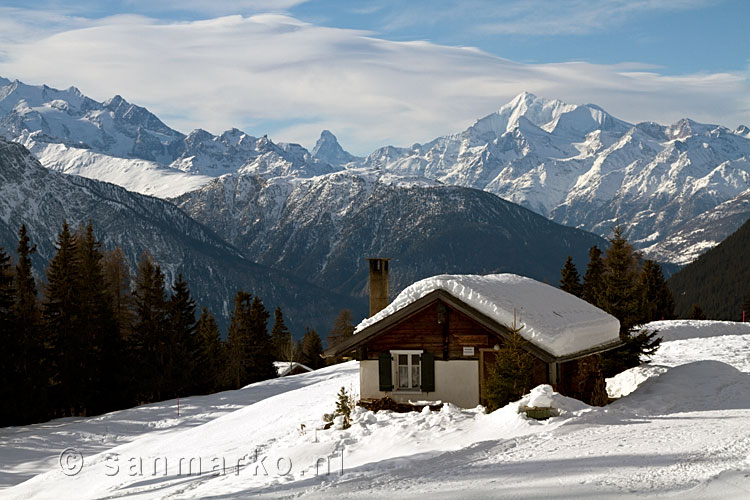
(684, 430)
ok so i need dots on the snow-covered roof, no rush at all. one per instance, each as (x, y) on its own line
(284, 368)
(554, 320)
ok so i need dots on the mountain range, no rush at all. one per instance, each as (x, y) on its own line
(499, 196)
(575, 164)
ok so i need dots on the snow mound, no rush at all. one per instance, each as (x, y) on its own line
(626, 382)
(681, 329)
(556, 321)
(543, 396)
(698, 386)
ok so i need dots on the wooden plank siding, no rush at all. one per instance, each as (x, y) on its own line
(422, 331)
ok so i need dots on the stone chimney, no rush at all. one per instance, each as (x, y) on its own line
(378, 285)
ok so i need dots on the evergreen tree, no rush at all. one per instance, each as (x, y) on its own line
(511, 375)
(250, 352)
(620, 298)
(312, 349)
(593, 280)
(281, 338)
(697, 313)
(261, 350)
(66, 335)
(9, 351)
(178, 360)
(30, 369)
(103, 362)
(343, 328)
(656, 301)
(148, 340)
(117, 281)
(570, 281)
(619, 291)
(209, 354)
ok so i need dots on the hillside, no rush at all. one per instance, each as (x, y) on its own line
(718, 280)
(42, 199)
(680, 431)
(322, 228)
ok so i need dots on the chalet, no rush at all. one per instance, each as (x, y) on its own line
(436, 341)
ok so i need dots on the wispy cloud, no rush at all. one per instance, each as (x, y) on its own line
(544, 17)
(276, 74)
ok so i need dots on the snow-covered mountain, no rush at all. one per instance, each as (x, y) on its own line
(703, 232)
(42, 199)
(328, 150)
(125, 144)
(582, 167)
(322, 228)
(575, 164)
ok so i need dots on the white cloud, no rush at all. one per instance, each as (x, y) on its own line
(273, 73)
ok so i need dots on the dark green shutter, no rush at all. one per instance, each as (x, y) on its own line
(385, 369)
(428, 372)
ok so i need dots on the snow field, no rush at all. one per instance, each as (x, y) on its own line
(682, 429)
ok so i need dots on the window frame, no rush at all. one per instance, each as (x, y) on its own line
(395, 374)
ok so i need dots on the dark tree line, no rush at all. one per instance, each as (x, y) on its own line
(631, 290)
(92, 338)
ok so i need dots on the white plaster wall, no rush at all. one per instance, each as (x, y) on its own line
(456, 381)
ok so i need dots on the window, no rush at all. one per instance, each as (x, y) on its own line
(407, 370)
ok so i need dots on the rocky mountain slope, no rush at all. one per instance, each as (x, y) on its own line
(718, 281)
(322, 228)
(42, 199)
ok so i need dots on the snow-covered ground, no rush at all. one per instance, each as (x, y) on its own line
(683, 429)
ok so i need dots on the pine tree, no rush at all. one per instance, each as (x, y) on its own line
(620, 298)
(66, 335)
(312, 349)
(344, 405)
(250, 352)
(117, 281)
(656, 301)
(30, 369)
(209, 354)
(511, 375)
(570, 281)
(619, 292)
(148, 341)
(697, 313)
(180, 331)
(9, 351)
(261, 349)
(593, 280)
(281, 338)
(343, 328)
(104, 366)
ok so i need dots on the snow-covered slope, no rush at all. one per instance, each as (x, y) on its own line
(323, 227)
(42, 199)
(682, 432)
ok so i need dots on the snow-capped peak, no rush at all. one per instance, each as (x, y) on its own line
(328, 150)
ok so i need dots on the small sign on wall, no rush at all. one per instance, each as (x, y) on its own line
(468, 351)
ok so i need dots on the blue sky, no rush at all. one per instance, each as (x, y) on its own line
(385, 71)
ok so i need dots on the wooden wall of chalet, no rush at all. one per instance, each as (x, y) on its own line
(422, 331)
